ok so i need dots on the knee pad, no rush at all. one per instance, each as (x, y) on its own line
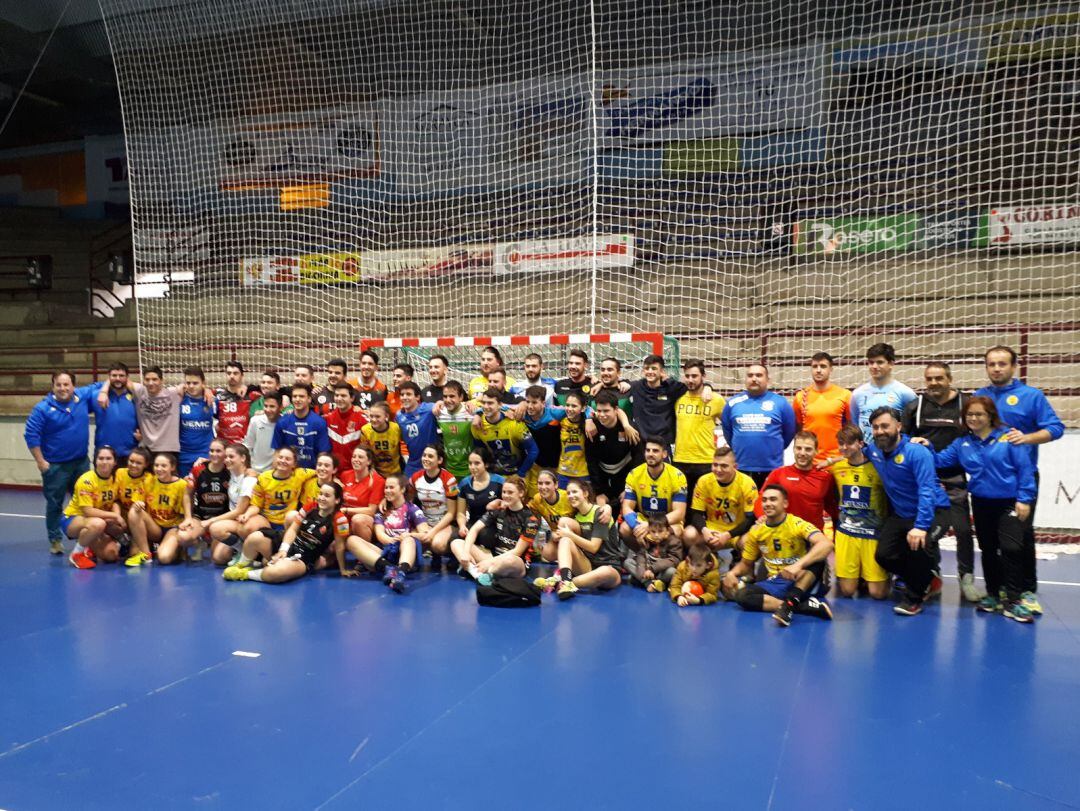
(751, 599)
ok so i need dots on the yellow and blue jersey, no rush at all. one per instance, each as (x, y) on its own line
(862, 498)
(659, 494)
(572, 463)
(778, 546)
(509, 442)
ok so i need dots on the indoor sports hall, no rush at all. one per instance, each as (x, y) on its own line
(316, 190)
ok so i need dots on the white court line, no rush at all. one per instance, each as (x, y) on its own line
(20, 515)
(1041, 581)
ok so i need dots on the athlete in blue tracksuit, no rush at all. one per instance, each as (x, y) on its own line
(758, 426)
(115, 425)
(196, 431)
(308, 433)
(1001, 480)
(908, 538)
(57, 434)
(1026, 410)
(419, 427)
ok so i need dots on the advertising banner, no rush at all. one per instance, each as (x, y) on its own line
(183, 246)
(1059, 484)
(296, 150)
(948, 230)
(547, 131)
(1049, 36)
(312, 268)
(1050, 224)
(412, 263)
(574, 253)
(895, 232)
(106, 169)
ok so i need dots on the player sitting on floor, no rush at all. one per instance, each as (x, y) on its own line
(92, 517)
(653, 565)
(697, 579)
(437, 493)
(590, 552)
(318, 526)
(208, 486)
(499, 544)
(157, 519)
(363, 492)
(795, 553)
(276, 493)
(399, 530)
(224, 530)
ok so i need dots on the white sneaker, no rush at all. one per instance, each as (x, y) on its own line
(968, 590)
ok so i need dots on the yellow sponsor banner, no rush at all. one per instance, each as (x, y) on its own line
(1050, 36)
(328, 268)
(701, 157)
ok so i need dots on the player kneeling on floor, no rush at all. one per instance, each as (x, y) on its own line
(318, 526)
(92, 518)
(794, 552)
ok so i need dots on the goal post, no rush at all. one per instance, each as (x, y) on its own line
(462, 352)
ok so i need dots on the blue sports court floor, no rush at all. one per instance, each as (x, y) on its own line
(121, 690)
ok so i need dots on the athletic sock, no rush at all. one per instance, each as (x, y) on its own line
(405, 568)
(245, 560)
(380, 565)
(565, 575)
(232, 541)
(795, 596)
(78, 548)
(255, 574)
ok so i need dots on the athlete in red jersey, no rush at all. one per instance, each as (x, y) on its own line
(344, 424)
(233, 406)
(811, 492)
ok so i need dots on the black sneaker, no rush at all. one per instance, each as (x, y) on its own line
(783, 614)
(436, 563)
(815, 608)
(908, 607)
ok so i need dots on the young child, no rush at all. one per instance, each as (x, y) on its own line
(653, 566)
(700, 569)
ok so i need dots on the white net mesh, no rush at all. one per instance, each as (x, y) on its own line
(760, 180)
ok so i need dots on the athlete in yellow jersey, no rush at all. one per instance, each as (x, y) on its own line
(513, 449)
(722, 508)
(324, 473)
(551, 504)
(155, 519)
(92, 517)
(490, 360)
(654, 488)
(863, 506)
(277, 492)
(794, 552)
(572, 462)
(695, 426)
(131, 481)
(384, 439)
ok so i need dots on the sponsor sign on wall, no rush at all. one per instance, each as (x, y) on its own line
(1059, 484)
(575, 253)
(283, 151)
(827, 235)
(1051, 224)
